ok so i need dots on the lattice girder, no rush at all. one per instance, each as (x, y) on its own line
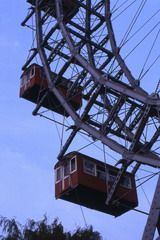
(120, 106)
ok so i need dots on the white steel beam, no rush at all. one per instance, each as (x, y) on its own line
(153, 221)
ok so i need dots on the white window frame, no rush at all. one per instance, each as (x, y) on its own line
(110, 175)
(105, 172)
(30, 72)
(75, 157)
(56, 181)
(24, 79)
(68, 173)
(130, 185)
(85, 160)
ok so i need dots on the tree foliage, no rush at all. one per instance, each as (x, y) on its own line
(41, 230)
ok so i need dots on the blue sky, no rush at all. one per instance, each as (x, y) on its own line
(29, 146)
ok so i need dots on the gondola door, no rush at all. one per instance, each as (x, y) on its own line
(66, 176)
(63, 178)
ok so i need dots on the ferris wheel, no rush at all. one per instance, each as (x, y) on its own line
(95, 64)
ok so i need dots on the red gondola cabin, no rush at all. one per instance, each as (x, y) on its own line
(34, 85)
(83, 180)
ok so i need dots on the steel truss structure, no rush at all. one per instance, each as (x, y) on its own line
(76, 39)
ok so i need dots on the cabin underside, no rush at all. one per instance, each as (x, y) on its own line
(70, 8)
(36, 93)
(94, 199)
